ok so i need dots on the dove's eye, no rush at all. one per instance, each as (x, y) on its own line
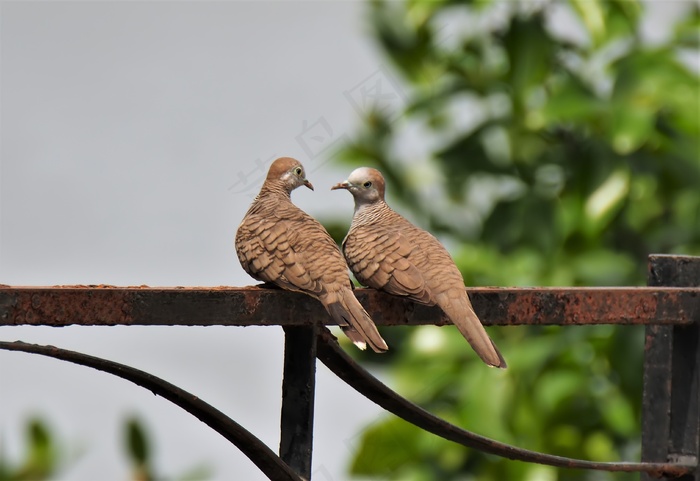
(367, 184)
(297, 171)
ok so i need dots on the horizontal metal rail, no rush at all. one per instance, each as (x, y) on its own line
(256, 306)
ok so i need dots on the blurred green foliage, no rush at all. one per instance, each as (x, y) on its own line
(41, 457)
(45, 456)
(139, 451)
(541, 156)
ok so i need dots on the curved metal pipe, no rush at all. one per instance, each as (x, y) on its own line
(262, 456)
(343, 366)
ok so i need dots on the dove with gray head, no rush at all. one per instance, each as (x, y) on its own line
(385, 251)
(279, 243)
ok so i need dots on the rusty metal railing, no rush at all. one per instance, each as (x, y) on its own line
(669, 308)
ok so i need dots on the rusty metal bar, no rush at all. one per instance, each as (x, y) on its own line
(342, 365)
(671, 396)
(298, 390)
(108, 305)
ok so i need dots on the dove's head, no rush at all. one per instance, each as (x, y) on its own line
(289, 172)
(365, 184)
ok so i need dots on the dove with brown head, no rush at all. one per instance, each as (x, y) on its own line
(279, 243)
(385, 251)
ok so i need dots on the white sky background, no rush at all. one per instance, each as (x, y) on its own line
(126, 130)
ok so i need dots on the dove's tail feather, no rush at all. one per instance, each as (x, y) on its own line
(471, 328)
(463, 316)
(349, 314)
(503, 363)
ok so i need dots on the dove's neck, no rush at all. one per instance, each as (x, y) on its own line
(269, 199)
(275, 190)
(369, 212)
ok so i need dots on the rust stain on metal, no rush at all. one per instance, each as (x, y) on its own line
(70, 305)
(252, 303)
(245, 306)
(565, 306)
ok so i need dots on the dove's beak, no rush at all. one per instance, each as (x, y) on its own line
(342, 185)
(308, 184)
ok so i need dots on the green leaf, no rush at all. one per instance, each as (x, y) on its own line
(571, 102)
(619, 414)
(378, 454)
(42, 458)
(622, 18)
(593, 17)
(687, 32)
(603, 268)
(650, 84)
(607, 199)
(530, 53)
(599, 446)
(137, 443)
(556, 388)
(608, 20)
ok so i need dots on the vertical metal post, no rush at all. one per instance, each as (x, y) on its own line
(298, 384)
(671, 397)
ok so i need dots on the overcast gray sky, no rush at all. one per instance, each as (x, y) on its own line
(133, 137)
